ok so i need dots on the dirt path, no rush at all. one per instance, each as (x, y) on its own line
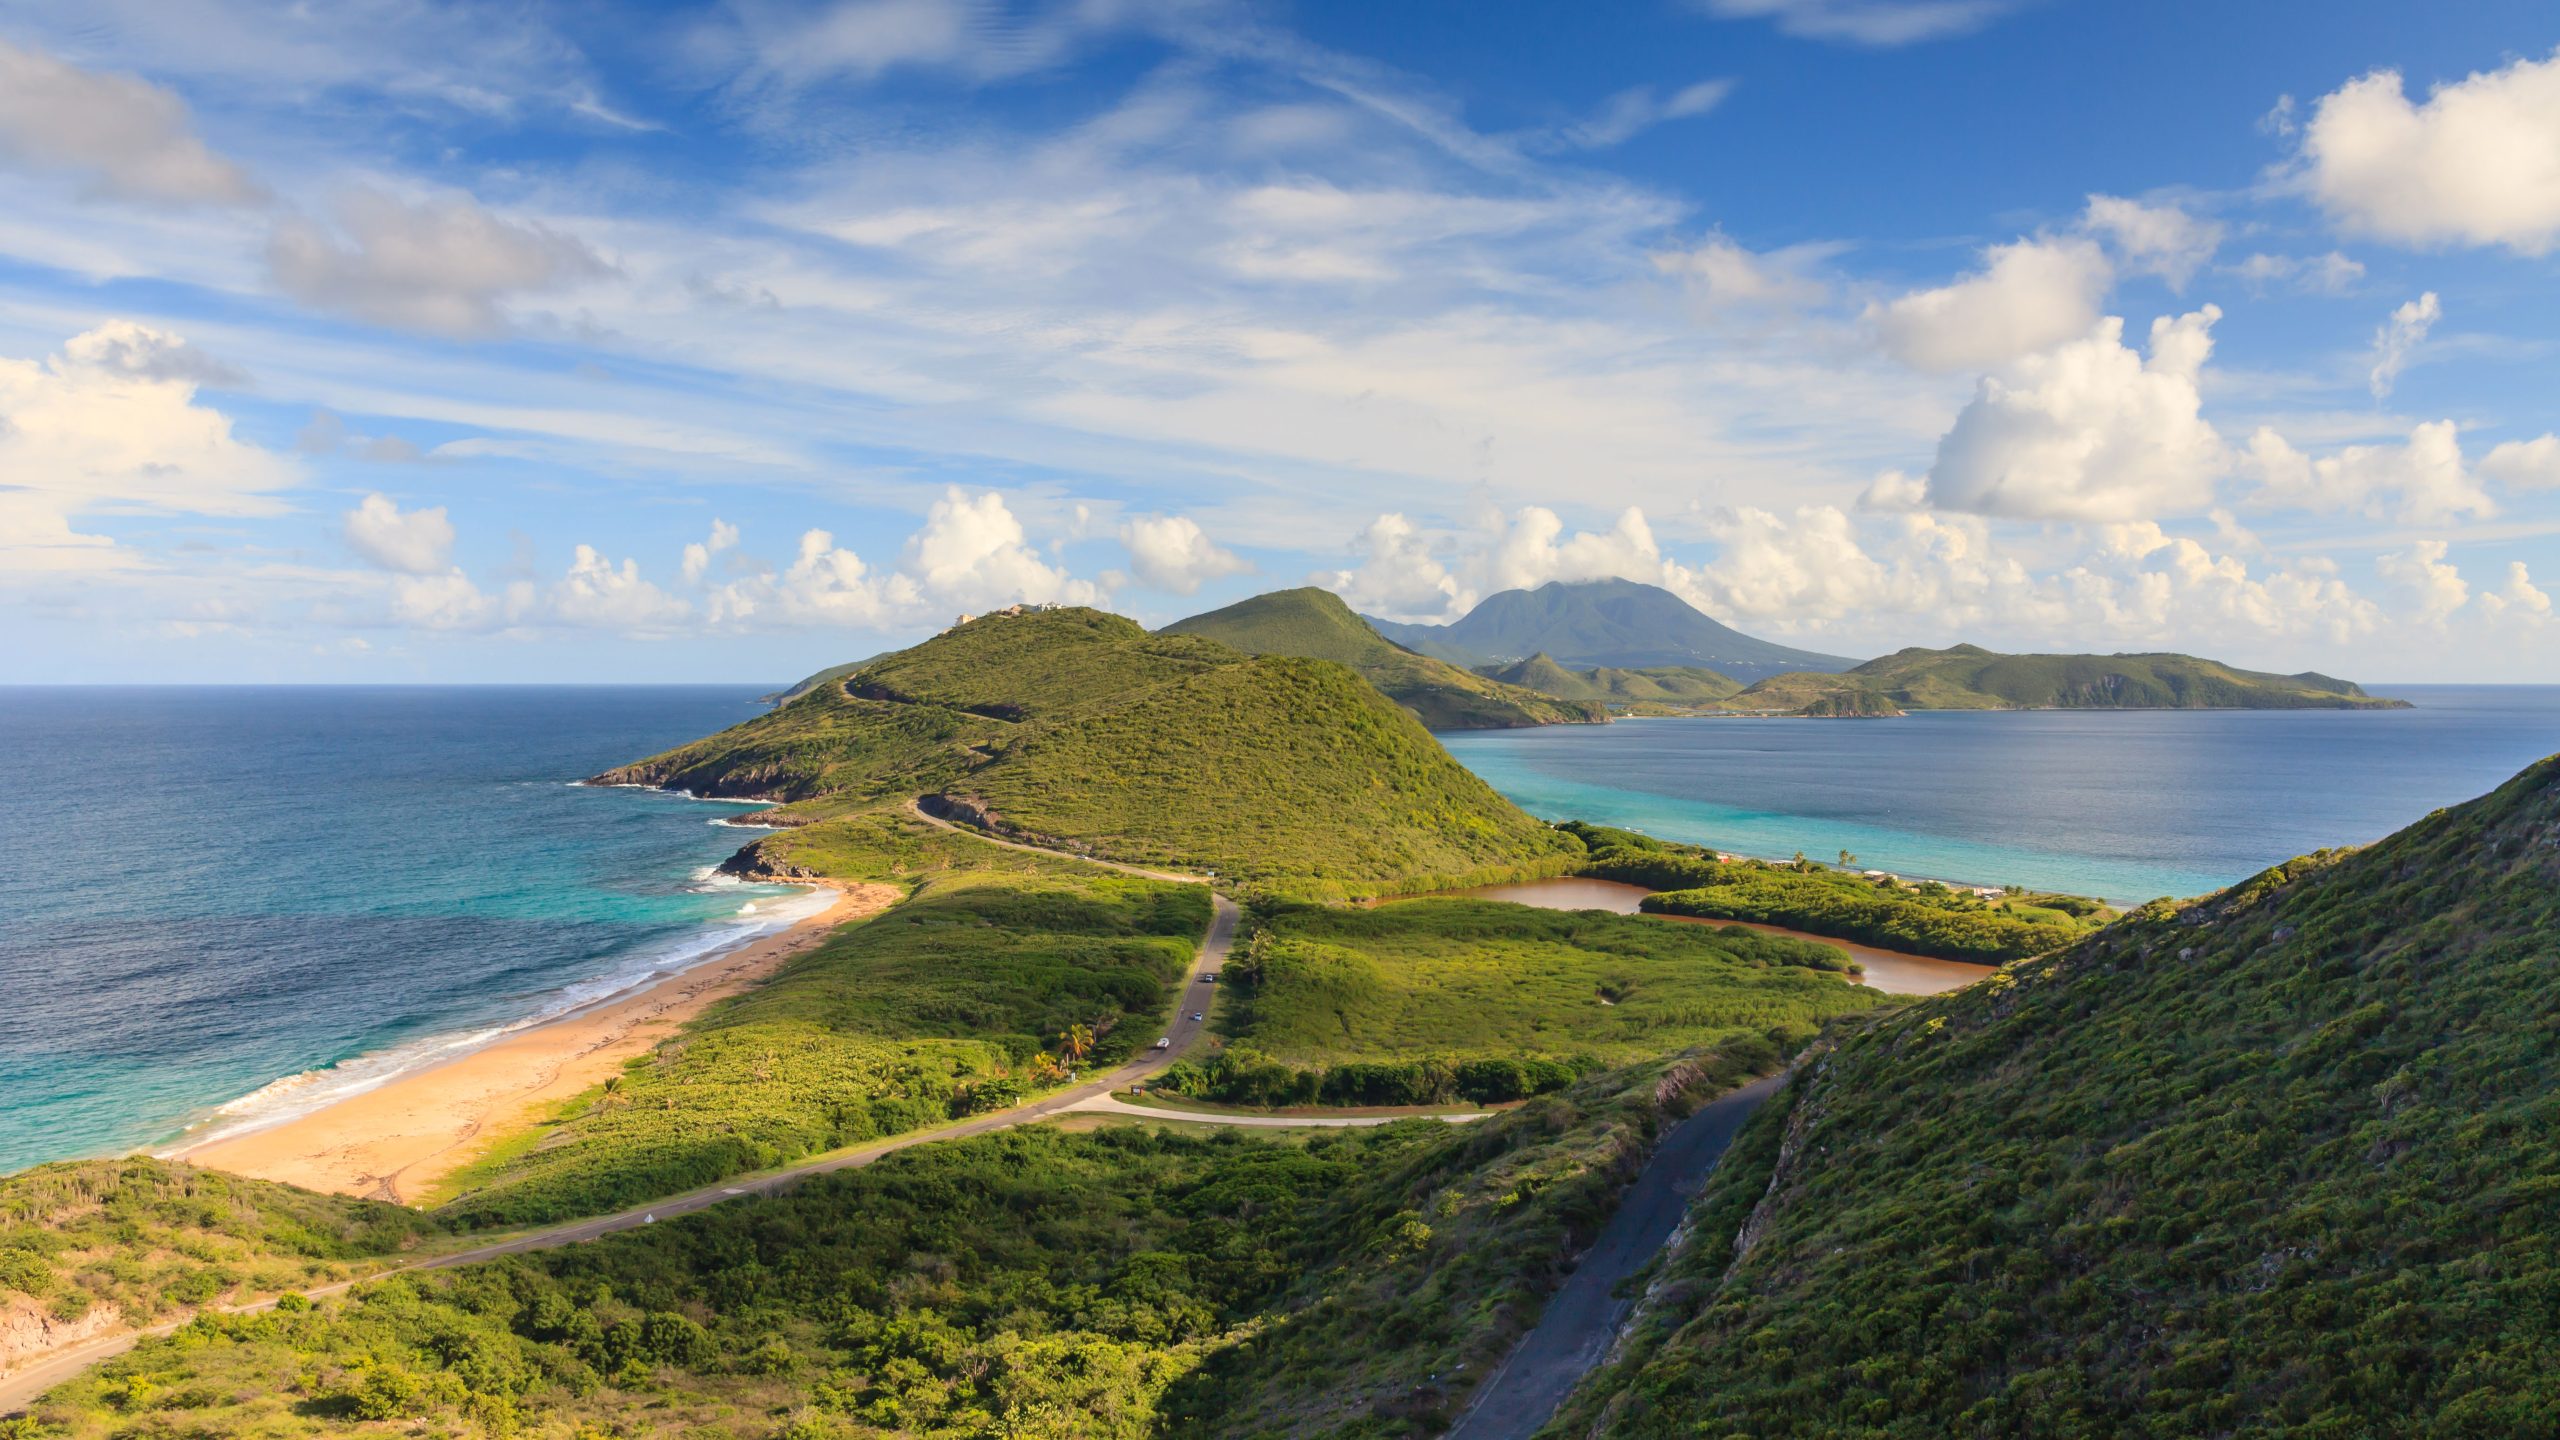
(1113, 1105)
(20, 1387)
(1580, 1323)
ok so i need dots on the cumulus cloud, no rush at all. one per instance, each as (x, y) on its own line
(969, 555)
(2525, 464)
(2422, 481)
(697, 556)
(2399, 338)
(2162, 240)
(1397, 577)
(2028, 296)
(1818, 570)
(1172, 552)
(122, 347)
(112, 426)
(2088, 431)
(1531, 549)
(2435, 588)
(445, 266)
(447, 601)
(2521, 603)
(600, 594)
(414, 542)
(2477, 164)
(131, 137)
(1876, 23)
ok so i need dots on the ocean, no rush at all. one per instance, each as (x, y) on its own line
(2127, 805)
(223, 906)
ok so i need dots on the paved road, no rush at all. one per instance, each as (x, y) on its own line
(20, 1387)
(1581, 1322)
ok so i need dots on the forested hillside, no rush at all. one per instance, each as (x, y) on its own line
(2281, 1163)
(1314, 624)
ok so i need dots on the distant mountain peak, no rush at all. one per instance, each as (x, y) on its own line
(1586, 624)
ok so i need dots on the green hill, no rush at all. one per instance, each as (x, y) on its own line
(1314, 624)
(1603, 622)
(1080, 729)
(1659, 687)
(2281, 1163)
(1968, 677)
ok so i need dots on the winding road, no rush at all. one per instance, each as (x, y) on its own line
(1581, 1322)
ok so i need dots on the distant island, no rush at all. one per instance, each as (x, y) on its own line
(1968, 677)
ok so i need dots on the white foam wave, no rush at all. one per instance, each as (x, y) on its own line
(297, 1095)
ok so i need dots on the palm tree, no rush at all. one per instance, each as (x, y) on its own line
(1847, 859)
(1077, 1041)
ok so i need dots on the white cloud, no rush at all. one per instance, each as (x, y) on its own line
(2088, 431)
(1895, 490)
(2330, 274)
(2521, 603)
(599, 594)
(1876, 23)
(2028, 296)
(135, 139)
(1397, 578)
(414, 542)
(969, 555)
(1532, 549)
(1172, 552)
(2525, 464)
(1631, 112)
(1722, 276)
(2435, 588)
(111, 426)
(125, 348)
(449, 601)
(697, 556)
(2422, 481)
(442, 266)
(2477, 164)
(2162, 240)
(2399, 338)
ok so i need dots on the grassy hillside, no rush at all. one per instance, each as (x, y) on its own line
(2282, 1163)
(1814, 696)
(98, 1243)
(948, 1004)
(1922, 918)
(1082, 730)
(1314, 624)
(1426, 1001)
(1115, 1285)
(1604, 622)
(1656, 688)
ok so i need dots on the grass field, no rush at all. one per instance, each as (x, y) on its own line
(1425, 1001)
(945, 1005)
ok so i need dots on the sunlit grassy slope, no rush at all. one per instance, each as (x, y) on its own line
(2282, 1163)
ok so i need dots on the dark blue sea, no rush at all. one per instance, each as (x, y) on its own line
(2128, 805)
(221, 906)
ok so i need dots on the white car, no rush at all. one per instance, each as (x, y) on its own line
(1165, 1043)
(1196, 1015)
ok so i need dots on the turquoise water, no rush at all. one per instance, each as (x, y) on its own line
(222, 906)
(2127, 805)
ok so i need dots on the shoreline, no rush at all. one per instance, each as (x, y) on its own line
(397, 1140)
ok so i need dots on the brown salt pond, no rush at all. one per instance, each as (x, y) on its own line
(1891, 971)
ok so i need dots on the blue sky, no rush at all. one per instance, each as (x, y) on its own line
(403, 341)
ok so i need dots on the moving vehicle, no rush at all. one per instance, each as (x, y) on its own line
(1164, 1042)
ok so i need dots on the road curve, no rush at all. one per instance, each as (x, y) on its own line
(1581, 1322)
(20, 1387)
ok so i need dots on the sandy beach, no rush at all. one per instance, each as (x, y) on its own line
(395, 1142)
